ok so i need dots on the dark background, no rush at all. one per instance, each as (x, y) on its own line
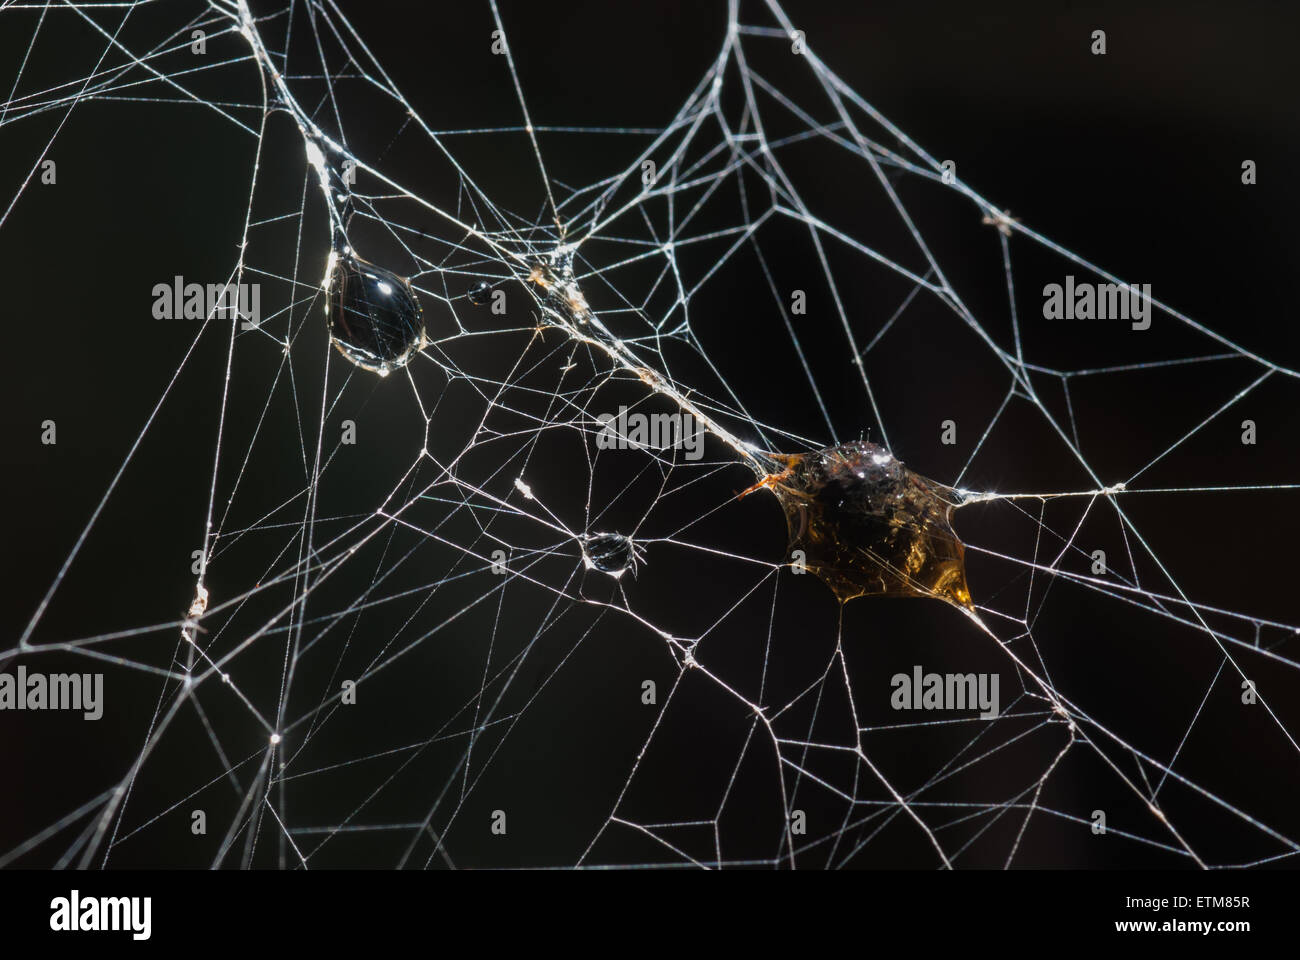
(1131, 160)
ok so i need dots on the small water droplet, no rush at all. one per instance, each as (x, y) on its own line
(480, 293)
(610, 553)
(374, 316)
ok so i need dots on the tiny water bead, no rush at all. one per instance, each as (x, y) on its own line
(374, 317)
(480, 293)
(869, 526)
(610, 553)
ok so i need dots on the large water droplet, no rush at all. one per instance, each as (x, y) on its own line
(374, 316)
(480, 293)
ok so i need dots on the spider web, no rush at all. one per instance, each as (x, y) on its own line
(440, 562)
